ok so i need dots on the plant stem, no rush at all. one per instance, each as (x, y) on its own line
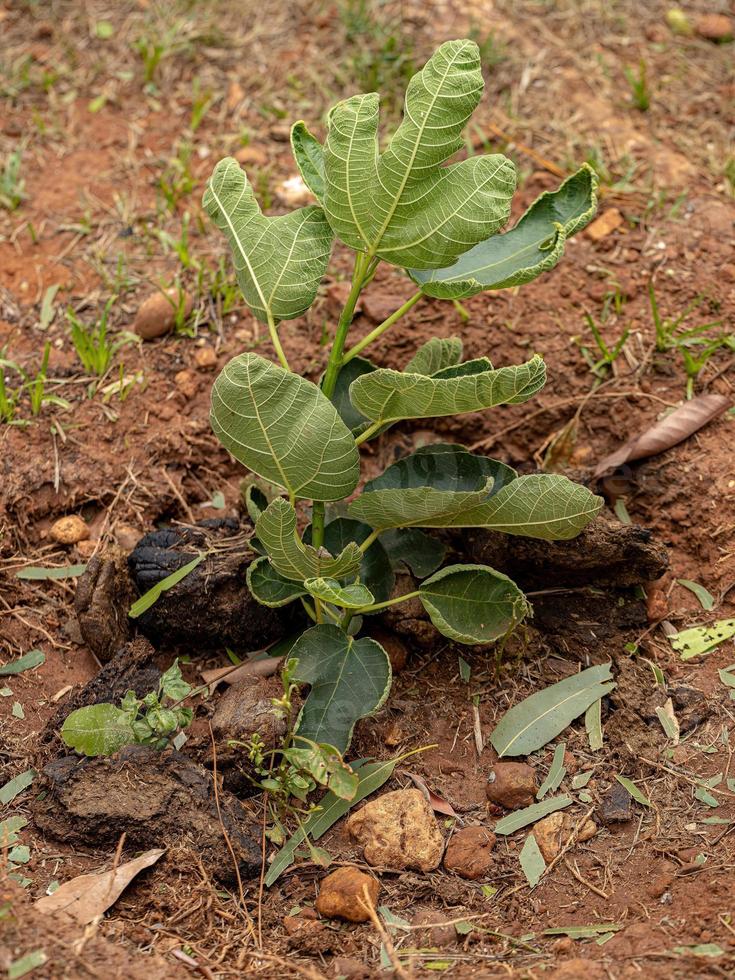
(381, 328)
(370, 539)
(384, 605)
(276, 341)
(368, 433)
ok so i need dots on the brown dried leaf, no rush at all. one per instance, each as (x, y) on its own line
(437, 803)
(251, 668)
(89, 896)
(682, 423)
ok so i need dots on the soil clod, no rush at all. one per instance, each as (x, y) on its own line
(398, 830)
(512, 785)
(341, 895)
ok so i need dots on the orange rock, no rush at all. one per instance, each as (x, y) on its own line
(512, 785)
(603, 226)
(157, 315)
(469, 853)
(69, 530)
(342, 892)
(715, 27)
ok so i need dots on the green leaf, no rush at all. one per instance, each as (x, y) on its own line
(276, 529)
(279, 261)
(584, 932)
(593, 725)
(532, 861)
(346, 596)
(309, 156)
(421, 552)
(172, 683)
(284, 429)
(349, 372)
(34, 658)
(541, 717)
(530, 814)
(444, 466)
(10, 828)
(387, 396)
(557, 772)
(698, 640)
(14, 787)
(26, 964)
(270, 588)
(349, 679)
(402, 205)
(706, 599)
(634, 791)
(98, 729)
(376, 571)
(534, 245)
(153, 594)
(702, 949)
(435, 355)
(472, 603)
(37, 573)
(371, 776)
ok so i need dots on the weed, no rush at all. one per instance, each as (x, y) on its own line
(639, 90)
(12, 185)
(600, 366)
(95, 349)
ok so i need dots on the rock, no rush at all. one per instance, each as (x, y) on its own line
(351, 969)
(657, 605)
(395, 648)
(341, 893)
(251, 155)
(306, 934)
(103, 596)
(157, 314)
(604, 225)
(615, 806)
(662, 880)
(678, 22)
(469, 853)
(554, 831)
(127, 536)
(205, 358)
(714, 27)
(294, 192)
(152, 797)
(187, 382)
(69, 530)
(398, 830)
(85, 549)
(378, 305)
(511, 785)
(439, 932)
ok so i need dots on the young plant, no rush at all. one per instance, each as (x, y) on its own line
(12, 185)
(95, 349)
(640, 93)
(439, 223)
(103, 729)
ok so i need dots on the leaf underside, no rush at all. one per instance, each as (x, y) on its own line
(309, 156)
(347, 596)
(376, 571)
(283, 428)
(269, 587)
(279, 261)
(349, 679)
(534, 245)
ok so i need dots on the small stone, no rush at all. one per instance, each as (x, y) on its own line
(187, 383)
(395, 648)
(341, 893)
(469, 853)
(306, 919)
(570, 763)
(351, 969)
(251, 155)
(657, 605)
(439, 932)
(661, 882)
(512, 785)
(127, 536)
(604, 225)
(157, 315)
(85, 549)
(393, 736)
(398, 830)
(69, 530)
(715, 27)
(294, 192)
(615, 806)
(205, 358)
(548, 835)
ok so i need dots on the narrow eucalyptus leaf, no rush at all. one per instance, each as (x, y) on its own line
(153, 594)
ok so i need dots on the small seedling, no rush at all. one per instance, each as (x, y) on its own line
(12, 185)
(638, 82)
(600, 366)
(95, 349)
(155, 719)
(438, 223)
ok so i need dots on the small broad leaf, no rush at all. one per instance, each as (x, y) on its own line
(421, 552)
(346, 596)
(276, 529)
(270, 588)
(97, 729)
(435, 355)
(14, 787)
(534, 245)
(34, 658)
(444, 466)
(283, 428)
(402, 205)
(349, 679)
(376, 572)
(153, 594)
(541, 717)
(633, 790)
(530, 814)
(532, 861)
(698, 640)
(387, 396)
(472, 603)
(593, 725)
(172, 683)
(706, 599)
(279, 261)
(309, 156)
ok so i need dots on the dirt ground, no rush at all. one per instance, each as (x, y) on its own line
(119, 112)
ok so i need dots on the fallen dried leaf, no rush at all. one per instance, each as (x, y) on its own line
(252, 668)
(682, 423)
(436, 802)
(88, 896)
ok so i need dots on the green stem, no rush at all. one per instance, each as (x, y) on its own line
(389, 602)
(276, 341)
(381, 328)
(370, 539)
(368, 433)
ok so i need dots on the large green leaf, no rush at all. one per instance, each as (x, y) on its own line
(443, 466)
(349, 679)
(402, 205)
(349, 372)
(387, 396)
(97, 729)
(420, 552)
(434, 355)
(534, 245)
(283, 428)
(269, 587)
(276, 530)
(279, 261)
(347, 596)
(376, 570)
(533, 722)
(473, 603)
(543, 506)
(309, 155)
